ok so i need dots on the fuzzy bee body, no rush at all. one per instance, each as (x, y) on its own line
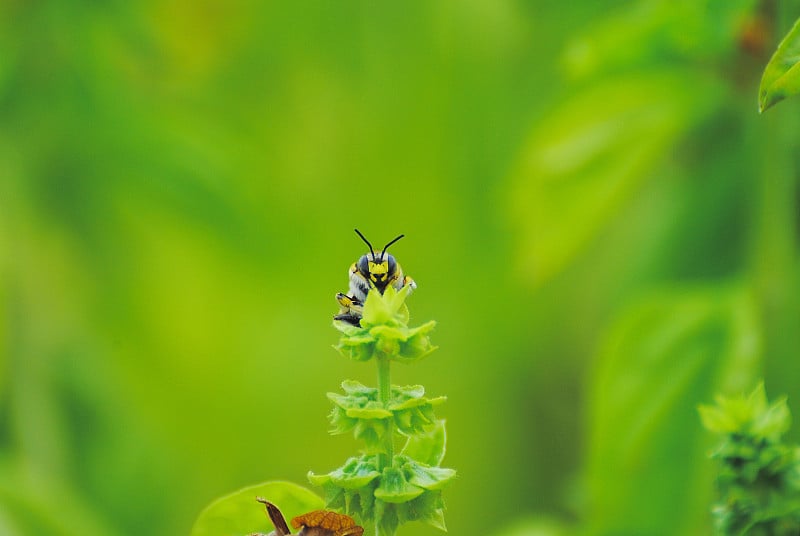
(371, 271)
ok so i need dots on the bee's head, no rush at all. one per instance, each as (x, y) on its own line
(378, 269)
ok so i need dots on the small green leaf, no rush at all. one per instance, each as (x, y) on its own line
(435, 519)
(428, 447)
(355, 473)
(427, 477)
(360, 411)
(238, 514)
(368, 413)
(387, 308)
(386, 518)
(384, 331)
(394, 487)
(781, 78)
(352, 387)
(427, 508)
(357, 348)
(751, 415)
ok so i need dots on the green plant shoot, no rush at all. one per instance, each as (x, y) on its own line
(384, 487)
(759, 474)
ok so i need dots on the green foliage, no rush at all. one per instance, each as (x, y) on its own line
(407, 490)
(646, 33)
(238, 514)
(359, 410)
(537, 527)
(759, 473)
(781, 78)
(384, 331)
(585, 161)
(664, 354)
(179, 177)
(382, 488)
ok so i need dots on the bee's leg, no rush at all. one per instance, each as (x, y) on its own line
(350, 318)
(408, 282)
(347, 302)
(350, 309)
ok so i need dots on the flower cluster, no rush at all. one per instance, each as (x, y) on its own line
(381, 487)
(384, 332)
(360, 411)
(406, 490)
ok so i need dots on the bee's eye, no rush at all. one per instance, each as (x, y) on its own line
(363, 265)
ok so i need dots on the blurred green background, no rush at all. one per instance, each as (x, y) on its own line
(597, 217)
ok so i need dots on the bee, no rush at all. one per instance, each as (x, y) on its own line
(369, 272)
(316, 523)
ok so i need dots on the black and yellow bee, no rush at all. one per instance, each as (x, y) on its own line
(371, 271)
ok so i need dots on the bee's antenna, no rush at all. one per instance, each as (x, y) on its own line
(389, 244)
(367, 241)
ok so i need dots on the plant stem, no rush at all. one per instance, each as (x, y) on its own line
(384, 395)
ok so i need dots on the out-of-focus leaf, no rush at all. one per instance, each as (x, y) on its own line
(649, 33)
(3, 335)
(647, 470)
(48, 507)
(536, 527)
(587, 158)
(781, 77)
(238, 514)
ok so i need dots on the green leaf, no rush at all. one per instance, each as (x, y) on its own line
(355, 473)
(384, 331)
(360, 411)
(588, 158)
(358, 348)
(537, 526)
(395, 488)
(639, 35)
(646, 470)
(781, 78)
(238, 514)
(427, 508)
(387, 308)
(428, 447)
(426, 476)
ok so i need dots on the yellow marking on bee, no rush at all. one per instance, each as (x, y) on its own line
(378, 270)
